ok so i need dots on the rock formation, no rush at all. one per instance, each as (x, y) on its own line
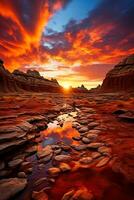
(29, 81)
(7, 83)
(81, 89)
(121, 77)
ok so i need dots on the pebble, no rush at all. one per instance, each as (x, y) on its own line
(22, 175)
(94, 145)
(62, 158)
(103, 161)
(14, 163)
(46, 158)
(68, 195)
(83, 129)
(92, 136)
(54, 171)
(45, 152)
(58, 151)
(95, 155)
(92, 125)
(40, 195)
(64, 167)
(80, 147)
(77, 138)
(81, 194)
(105, 150)
(29, 170)
(40, 181)
(86, 160)
(86, 140)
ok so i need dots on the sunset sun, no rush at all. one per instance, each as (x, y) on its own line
(66, 86)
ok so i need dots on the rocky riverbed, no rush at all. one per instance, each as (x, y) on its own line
(53, 150)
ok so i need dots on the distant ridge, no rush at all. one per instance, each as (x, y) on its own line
(29, 81)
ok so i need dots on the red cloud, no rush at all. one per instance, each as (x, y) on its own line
(21, 25)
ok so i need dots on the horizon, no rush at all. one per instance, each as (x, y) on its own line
(74, 41)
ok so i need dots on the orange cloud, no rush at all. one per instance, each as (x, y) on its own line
(21, 24)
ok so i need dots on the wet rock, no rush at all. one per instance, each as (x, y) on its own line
(86, 160)
(128, 117)
(35, 119)
(41, 166)
(77, 138)
(92, 125)
(62, 158)
(31, 150)
(40, 195)
(58, 151)
(22, 175)
(83, 129)
(94, 145)
(75, 125)
(86, 140)
(68, 195)
(55, 147)
(104, 150)
(15, 163)
(95, 155)
(54, 171)
(46, 158)
(94, 131)
(29, 170)
(5, 173)
(12, 144)
(45, 152)
(25, 126)
(40, 181)
(92, 136)
(65, 147)
(83, 194)
(10, 187)
(80, 147)
(25, 163)
(103, 161)
(51, 180)
(64, 167)
(84, 122)
(41, 126)
(2, 165)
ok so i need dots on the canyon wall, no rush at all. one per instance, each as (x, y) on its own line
(121, 77)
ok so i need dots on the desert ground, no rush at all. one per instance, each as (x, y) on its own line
(67, 146)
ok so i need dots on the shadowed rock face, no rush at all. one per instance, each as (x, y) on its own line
(7, 83)
(29, 81)
(121, 77)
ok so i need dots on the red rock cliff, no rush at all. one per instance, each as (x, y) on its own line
(30, 81)
(121, 77)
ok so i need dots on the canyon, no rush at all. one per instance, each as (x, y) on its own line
(76, 145)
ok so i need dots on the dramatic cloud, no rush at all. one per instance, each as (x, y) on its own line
(84, 51)
(21, 26)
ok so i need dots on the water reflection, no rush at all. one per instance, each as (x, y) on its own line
(57, 134)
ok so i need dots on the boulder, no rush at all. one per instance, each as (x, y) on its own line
(10, 187)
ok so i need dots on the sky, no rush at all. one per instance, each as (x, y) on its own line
(75, 41)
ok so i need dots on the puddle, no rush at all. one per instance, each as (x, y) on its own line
(55, 134)
(105, 184)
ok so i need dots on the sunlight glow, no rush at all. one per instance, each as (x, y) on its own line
(66, 86)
